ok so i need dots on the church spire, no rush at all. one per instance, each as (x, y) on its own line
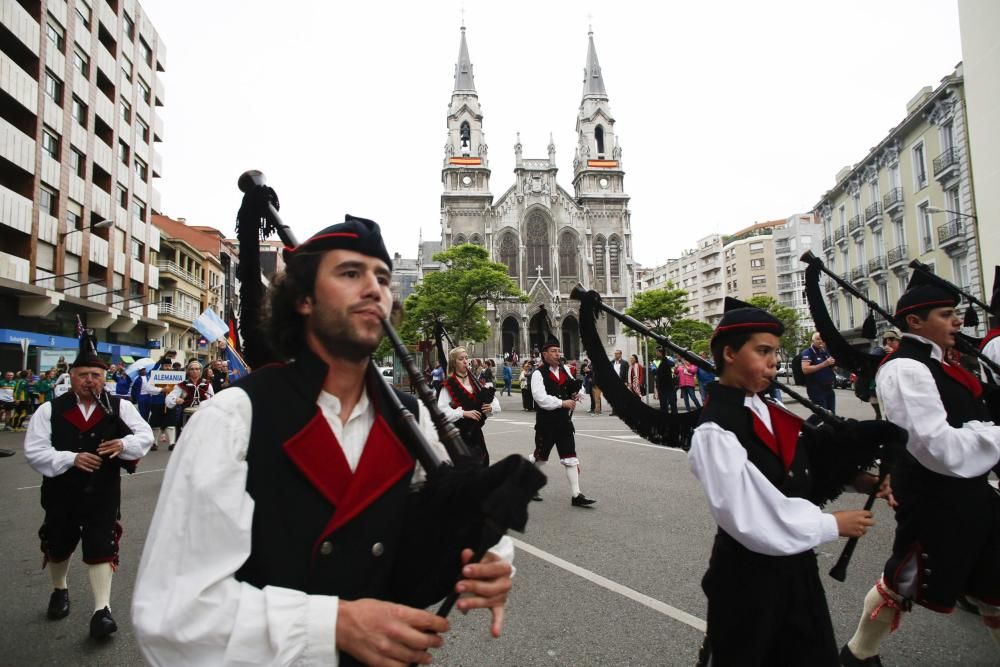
(593, 80)
(464, 80)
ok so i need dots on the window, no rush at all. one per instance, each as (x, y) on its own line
(126, 68)
(81, 63)
(143, 129)
(758, 281)
(859, 252)
(925, 226)
(74, 215)
(960, 271)
(757, 263)
(757, 246)
(136, 249)
(538, 245)
(138, 208)
(56, 34)
(614, 253)
(144, 91)
(123, 152)
(79, 111)
(947, 136)
(48, 201)
(141, 170)
(856, 199)
(901, 282)
(850, 311)
(78, 163)
(883, 295)
(53, 87)
(879, 246)
(145, 52)
(599, 136)
(50, 143)
(126, 111)
(122, 196)
(599, 267)
(45, 257)
(899, 232)
(508, 253)
(894, 179)
(128, 26)
(84, 13)
(919, 167)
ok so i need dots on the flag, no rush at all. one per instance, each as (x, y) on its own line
(211, 326)
(234, 337)
(80, 331)
(237, 367)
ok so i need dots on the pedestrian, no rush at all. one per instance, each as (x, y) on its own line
(817, 365)
(705, 378)
(220, 379)
(508, 377)
(437, 379)
(122, 383)
(22, 401)
(556, 393)
(466, 403)
(263, 574)
(620, 367)
(686, 374)
(635, 375)
(187, 396)
(43, 388)
(890, 343)
(78, 447)
(527, 403)
(7, 410)
(764, 482)
(488, 377)
(947, 541)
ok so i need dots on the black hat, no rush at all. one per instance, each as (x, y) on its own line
(995, 301)
(741, 318)
(923, 292)
(87, 356)
(357, 234)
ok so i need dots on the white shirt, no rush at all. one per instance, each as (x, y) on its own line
(992, 352)
(188, 607)
(543, 399)
(910, 398)
(744, 503)
(454, 414)
(51, 462)
(177, 395)
(148, 388)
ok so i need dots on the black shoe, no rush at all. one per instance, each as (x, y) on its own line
(58, 604)
(537, 498)
(153, 448)
(847, 659)
(170, 448)
(101, 624)
(582, 501)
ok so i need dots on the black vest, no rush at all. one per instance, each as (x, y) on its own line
(461, 399)
(297, 540)
(559, 417)
(960, 406)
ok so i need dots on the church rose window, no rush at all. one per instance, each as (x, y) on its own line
(567, 254)
(538, 244)
(508, 253)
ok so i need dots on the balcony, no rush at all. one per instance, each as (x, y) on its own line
(830, 286)
(14, 268)
(854, 224)
(946, 164)
(782, 247)
(896, 256)
(785, 285)
(951, 232)
(783, 267)
(175, 270)
(876, 265)
(172, 310)
(827, 242)
(892, 201)
(859, 274)
(873, 213)
(840, 236)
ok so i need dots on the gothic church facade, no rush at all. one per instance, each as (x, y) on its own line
(551, 239)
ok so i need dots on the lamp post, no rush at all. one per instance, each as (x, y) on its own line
(100, 224)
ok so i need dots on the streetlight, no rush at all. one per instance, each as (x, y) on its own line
(935, 209)
(100, 224)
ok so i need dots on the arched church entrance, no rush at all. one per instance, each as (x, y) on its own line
(535, 326)
(510, 334)
(570, 338)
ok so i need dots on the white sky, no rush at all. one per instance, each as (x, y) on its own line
(728, 112)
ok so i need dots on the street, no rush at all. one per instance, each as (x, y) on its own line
(618, 584)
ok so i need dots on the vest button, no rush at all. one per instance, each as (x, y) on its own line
(791, 473)
(326, 548)
(378, 549)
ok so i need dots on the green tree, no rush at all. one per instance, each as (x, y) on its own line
(790, 341)
(689, 333)
(659, 308)
(457, 295)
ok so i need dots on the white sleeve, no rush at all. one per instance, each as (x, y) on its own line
(910, 398)
(444, 403)
(992, 351)
(188, 608)
(42, 456)
(151, 389)
(174, 397)
(543, 399)
(136, 445)
(746, 505)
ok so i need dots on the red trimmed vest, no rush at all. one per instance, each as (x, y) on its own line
(189, 389)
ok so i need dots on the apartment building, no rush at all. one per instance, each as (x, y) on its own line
(910, 197)
(800, 233)
(79, 91)
(749, 261)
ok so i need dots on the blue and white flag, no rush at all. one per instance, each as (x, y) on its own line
(211, 326)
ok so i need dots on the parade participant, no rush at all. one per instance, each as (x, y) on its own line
(817, 364)
(764, 483)
(467, 403)
(22, 401)
(78, 443)
(665, 382)
(294, 495)
(187, 396)
(43, 388)
(948, 516)
(7, 410)
(990, 345)
(526, 401)
(555, 393)
(220, 379)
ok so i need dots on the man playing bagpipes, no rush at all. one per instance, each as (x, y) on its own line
(291, 531)
(766, 474)
(948, 516)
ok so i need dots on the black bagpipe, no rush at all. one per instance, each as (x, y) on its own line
(476, 505)
(485, 394)
(841, 454)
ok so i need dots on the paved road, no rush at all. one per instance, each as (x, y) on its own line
(614, 585)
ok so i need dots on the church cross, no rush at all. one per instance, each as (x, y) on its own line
(539, 269)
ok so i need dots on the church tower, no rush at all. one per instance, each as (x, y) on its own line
(465, 174)
(597, 167)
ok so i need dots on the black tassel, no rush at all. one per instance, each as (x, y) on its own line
(868, 329)
(251, 223)
(971, 317)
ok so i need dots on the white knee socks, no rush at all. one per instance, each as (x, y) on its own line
(573, 475)
(100, 584)
(58, 572)
(877, 621)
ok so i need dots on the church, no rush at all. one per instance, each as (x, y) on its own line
(550, 239)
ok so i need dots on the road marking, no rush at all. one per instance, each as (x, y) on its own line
(619, 441)
(141, 472)
(614, 587)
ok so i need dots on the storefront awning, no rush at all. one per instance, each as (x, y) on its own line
(127, 359)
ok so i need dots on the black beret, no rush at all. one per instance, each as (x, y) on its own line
(357, 234)
(742, 318)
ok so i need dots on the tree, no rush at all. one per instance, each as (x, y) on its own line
(690, 334)
(457, 295)
(659, 308)
(790, 341)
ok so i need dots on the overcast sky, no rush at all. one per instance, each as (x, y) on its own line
(728, 112)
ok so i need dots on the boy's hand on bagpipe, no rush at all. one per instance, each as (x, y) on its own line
(474, 415)
(485, 586)
(486, 409)
(885, 491)
(87, 462)
(387, 634)
(853, 523)
(111, 448)
(569, 404)
(865, 483)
